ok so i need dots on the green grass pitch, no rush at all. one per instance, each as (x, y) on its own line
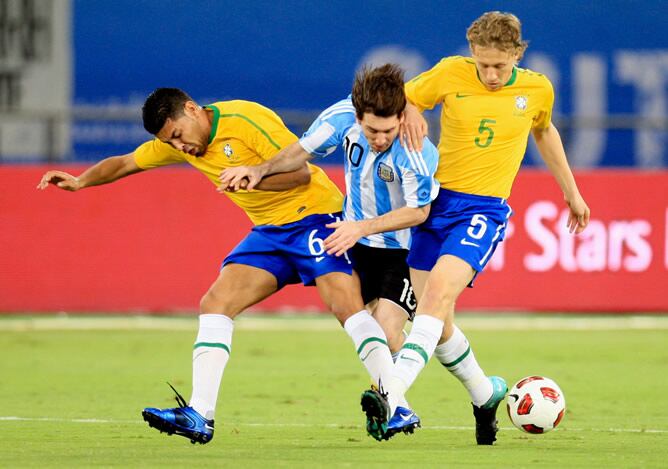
(72, 390)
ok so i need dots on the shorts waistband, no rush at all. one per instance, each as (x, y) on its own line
(307, 220)
(464, 195)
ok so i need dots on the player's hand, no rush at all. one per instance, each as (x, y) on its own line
(346, 234)
(578, 218)
(413, 129)
(240, 177)
(60, 179)
(243, 185)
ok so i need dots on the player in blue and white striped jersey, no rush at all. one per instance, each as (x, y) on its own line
(389, 189)
(381, 175)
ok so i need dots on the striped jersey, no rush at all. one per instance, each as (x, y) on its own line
(484, 133)
(376, 183)
(246, 133)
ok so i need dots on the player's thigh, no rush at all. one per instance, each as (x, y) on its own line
(237, 287)
(418, 280)
(444, 284)
(384, 274)
(341, 294)
(392, 318)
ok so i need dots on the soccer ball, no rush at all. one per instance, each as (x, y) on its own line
(536, 404)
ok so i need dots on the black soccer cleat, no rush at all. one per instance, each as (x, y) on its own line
(375, 406)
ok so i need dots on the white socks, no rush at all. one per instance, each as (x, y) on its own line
(210, 355)
(371, 345)
(456, 355)
(414, 355)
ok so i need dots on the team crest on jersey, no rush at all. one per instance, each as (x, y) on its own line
(228, 151)
(385, 172)
(521, 102)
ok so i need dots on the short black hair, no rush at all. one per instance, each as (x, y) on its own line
(163, 104)
(379, 91)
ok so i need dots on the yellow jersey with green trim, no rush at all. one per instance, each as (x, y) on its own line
(484, 133)
(246, 133)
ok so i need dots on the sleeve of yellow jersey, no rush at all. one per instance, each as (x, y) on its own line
(427, 89)
(266, 132)
(155, 153)
(544, 117)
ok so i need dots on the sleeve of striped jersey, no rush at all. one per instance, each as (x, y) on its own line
(427, 89)
(326, 132)
(544, 116)
(155, 153)
(417, 176)
(320, 139)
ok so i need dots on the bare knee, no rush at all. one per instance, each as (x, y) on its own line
(342, 310)
(214, 303)
(341, 294)
(435, 300)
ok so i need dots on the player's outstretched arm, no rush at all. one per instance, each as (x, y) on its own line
(413, 129)
(291, 158)
(103, 172)
(348, 232)
(552, 151)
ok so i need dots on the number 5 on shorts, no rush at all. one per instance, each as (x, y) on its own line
(478, 226)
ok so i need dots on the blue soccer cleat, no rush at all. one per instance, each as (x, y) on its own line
(375, 406)
(183, 420)
(403, 420)
(486, 424)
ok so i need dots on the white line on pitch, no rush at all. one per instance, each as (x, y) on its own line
(314, 425)
(325, 322)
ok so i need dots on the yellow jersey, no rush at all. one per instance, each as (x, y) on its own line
(246, 133)
(484, 133)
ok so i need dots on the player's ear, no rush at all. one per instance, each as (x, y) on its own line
(190, 106)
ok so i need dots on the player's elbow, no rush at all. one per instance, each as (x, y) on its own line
(303, 176)
(421, 213)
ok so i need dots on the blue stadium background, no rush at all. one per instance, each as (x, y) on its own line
(301, 55)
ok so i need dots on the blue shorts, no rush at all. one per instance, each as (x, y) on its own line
(293, 253)
(462, 225)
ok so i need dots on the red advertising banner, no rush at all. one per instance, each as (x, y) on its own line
(619, 263)
(154, 243)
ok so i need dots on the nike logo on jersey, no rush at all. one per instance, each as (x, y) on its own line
(461, 95)
(319, 258)
(468, 243)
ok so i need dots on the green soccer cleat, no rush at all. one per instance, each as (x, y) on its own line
(486, 424)
(374, 404)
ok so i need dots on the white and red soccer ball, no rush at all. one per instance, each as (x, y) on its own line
(536, 404)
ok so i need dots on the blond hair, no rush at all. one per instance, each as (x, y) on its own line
(502, 31)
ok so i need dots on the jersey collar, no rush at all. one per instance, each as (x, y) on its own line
(510, 82)
(513, 77)
(214, 123)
